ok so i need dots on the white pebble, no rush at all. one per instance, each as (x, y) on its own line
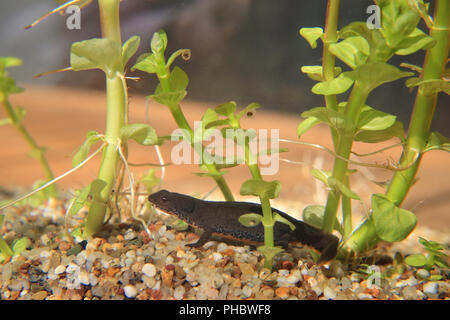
(130, 291)
(364, 296)
(431, 287)
(423, 273)
(329, 293)
(178, 293)
(60, 269)
(93, 280)
(84, 277)
(130, 235)
(217, 256)
(149, 270)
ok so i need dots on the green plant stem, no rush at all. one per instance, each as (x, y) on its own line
(37, 152)
(116, 98)
(182, 123)
(419, 129)
(328, 65)
(356, 100)
(424, 107)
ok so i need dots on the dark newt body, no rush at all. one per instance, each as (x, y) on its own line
(221, 217)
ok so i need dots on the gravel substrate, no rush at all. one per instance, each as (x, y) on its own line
(127, 263)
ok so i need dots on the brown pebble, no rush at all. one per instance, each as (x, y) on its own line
(14, 295)
(23, 268)
(40, 295)
(64, 245)
(282, 292)
(170, 267)
(145, 237)
(167, 276)
(120, 238)
(287, 265)
(228, 252)
(112, 271)
(180, 236)
(156, 294)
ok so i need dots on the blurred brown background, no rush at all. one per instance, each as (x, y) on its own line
(242, 50)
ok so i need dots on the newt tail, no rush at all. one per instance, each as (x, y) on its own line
(221, 218)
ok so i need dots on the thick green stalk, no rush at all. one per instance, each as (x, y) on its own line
(36, 151)
(116, 98)
(425, 104)
(357, 99)
(419, 129)
(328, 65)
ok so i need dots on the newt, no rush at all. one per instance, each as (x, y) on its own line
(220, 218)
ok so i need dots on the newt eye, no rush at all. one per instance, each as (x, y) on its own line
(164, 199)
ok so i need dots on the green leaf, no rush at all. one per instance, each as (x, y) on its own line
(250, 219)
(19, 245)
(5, 121)
(159, 42)
(371, 136)
(140, 132)
(9, 62)
(437, 141)
(314, 215)
(431, 86)
(226, 109)
(321, 175)
(281, 219)
(147, 63)
(311, 35)
(391, 222)
(8, 86)
(129, 48)
(398, 21)
(104, 54)
(341, 187)
(254, 187)
(353, 51)
(333, 118)
(372, 120)
(79, 200)
(178, 79)
(316, 72)
(170, 99)
(416, 260)
(91, 138)
(334, 86)
(417, 40)
(373, 74)
(306, 124)
(269, 252)
(150, 180)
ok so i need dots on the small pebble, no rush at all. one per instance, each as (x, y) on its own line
(409, 293)
(431, 288)
(130, 291)
(423, 273)
(329, 293)
(41, 295)
(149, 270)
(60, 269)
(179, 292)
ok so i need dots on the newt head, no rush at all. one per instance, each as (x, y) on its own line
(172, 203)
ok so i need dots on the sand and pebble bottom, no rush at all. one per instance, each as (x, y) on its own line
(125, 262)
